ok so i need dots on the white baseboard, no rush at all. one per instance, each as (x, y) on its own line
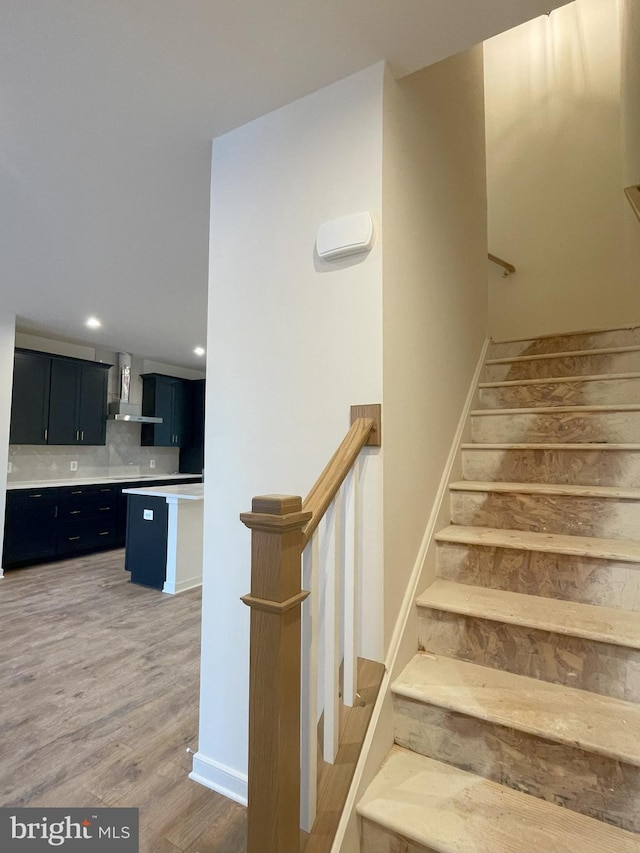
(224, 780)
(182, 586)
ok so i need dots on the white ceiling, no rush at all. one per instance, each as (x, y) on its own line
(107, 111)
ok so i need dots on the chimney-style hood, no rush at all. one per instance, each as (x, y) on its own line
(123, 410)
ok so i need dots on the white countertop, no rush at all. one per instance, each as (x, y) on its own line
(96, 481)
(185, 492)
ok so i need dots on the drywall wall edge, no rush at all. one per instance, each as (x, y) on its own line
(348, 817)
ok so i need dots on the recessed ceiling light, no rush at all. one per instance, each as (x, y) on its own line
(93, 323)
(199, 350)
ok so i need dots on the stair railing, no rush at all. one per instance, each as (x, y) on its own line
(633, 194)
(288, 647)
(507, 268)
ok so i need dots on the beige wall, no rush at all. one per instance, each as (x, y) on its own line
(434, 291)
(554, 172)
(630, 99)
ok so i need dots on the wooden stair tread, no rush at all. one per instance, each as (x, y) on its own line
(561, 380)
(577, 333)
(611, 492)
(557, 410)
(624, 550)
(566, 354)
(566, 715)
(453, 811)
(592, 445)
(603, 624)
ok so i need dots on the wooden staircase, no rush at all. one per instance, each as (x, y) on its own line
(517, 723)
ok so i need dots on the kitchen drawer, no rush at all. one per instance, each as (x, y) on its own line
(88, 535)
(88, 502)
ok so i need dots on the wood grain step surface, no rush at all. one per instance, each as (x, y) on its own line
(575, 464)
(556, 410)
(567, 391)
(595, 445)
(440, 808)
(583, 546)
(547, 512)
(556, 425)
(566, 342)
(561, 364)
(550, 380)
(564, 354)
(591, 722)
(612, 492)
(603, 624)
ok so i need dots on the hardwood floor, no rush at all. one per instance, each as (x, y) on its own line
(99, 687)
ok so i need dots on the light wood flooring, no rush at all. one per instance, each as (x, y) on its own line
(99, 682)
(99, 692)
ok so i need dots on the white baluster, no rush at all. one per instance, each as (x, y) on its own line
(309, 686)
(331, 699)
(351, 575)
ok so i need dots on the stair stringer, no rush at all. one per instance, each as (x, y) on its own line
(380, 736)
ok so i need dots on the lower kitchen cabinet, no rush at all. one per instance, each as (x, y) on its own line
(48, 524)
(31, 525)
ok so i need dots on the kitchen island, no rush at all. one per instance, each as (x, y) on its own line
(164, 536)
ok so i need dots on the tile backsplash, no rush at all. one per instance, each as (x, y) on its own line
(122, 455)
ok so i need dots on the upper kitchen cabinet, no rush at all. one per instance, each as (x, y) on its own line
(78, 402)
(58, 400)
(30, 398)
(169, 398)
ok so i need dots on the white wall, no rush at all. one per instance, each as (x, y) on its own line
(7, 343)
(292, 343)
(554, 172)
(435, 290)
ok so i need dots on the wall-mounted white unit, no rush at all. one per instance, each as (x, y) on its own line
(348, 235)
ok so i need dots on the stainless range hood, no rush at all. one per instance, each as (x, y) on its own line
(123, 410)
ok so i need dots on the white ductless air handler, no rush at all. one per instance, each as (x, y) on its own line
(348, 235)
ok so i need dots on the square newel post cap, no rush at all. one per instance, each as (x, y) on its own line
(275, 512)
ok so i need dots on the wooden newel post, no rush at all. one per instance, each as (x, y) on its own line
(273, 816)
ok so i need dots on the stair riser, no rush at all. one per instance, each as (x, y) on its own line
(594, 785)
(567, 343)
(563, 467)
(557, 427)
(376, 839)
(575, 516)
(593, 393)
(570, 365)
(572, 661)
(608, 583)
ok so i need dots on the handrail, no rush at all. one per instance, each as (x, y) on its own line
(633, 194)
(327, 485)
(281, 526)
(506, 266)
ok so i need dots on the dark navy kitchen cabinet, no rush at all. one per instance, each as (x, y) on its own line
(147, 530)
(58, 400)
(31, 523)
(78, 402)
(30, 398)
(192, 453)
(165, 397)
(87, 519)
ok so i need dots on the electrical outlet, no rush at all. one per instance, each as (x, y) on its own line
(152, 463)
(74, 466)
(9, 467)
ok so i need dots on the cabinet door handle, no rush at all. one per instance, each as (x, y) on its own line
(104, 509)
(46, 434)
(81, 435)
(73, 538)
(106, 533)
(77, 492)
(75, 512)
(35, 496)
